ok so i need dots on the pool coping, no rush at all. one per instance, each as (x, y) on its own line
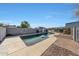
(23, 50)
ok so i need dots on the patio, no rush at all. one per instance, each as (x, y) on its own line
(14, 46)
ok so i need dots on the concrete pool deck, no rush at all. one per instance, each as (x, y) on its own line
(14, 46)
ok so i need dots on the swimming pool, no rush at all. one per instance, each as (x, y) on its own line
(33, 39)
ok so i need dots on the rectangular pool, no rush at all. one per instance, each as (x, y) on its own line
(33, 39)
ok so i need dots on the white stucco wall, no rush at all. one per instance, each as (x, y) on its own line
(2, 33)
(75, 33)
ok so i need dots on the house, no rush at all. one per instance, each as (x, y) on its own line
(41, 30)
(74, 27)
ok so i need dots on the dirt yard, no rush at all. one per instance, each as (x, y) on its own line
(64, 46)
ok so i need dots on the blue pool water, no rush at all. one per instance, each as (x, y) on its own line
(30, 40)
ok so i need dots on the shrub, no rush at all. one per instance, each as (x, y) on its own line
(67, 31)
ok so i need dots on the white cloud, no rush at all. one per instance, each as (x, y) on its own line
(48, 17)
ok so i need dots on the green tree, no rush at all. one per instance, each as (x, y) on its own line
(1, 24)
(24, 24)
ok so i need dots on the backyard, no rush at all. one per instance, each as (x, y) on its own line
(39, 29)
(57, 44)
(64, 46)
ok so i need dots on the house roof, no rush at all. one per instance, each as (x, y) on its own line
(73, 24)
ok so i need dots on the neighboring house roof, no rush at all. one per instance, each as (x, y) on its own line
(73, 24)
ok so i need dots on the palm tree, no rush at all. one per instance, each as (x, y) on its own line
(77, 10)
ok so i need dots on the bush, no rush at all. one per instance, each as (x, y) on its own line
(67, 31)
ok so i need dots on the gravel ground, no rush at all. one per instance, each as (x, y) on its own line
(54, 50)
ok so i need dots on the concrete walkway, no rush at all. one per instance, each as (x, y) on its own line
(14, 46)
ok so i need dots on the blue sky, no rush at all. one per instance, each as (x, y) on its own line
(45, 15)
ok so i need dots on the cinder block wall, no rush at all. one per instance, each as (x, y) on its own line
(20, 31)
(2, 33)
